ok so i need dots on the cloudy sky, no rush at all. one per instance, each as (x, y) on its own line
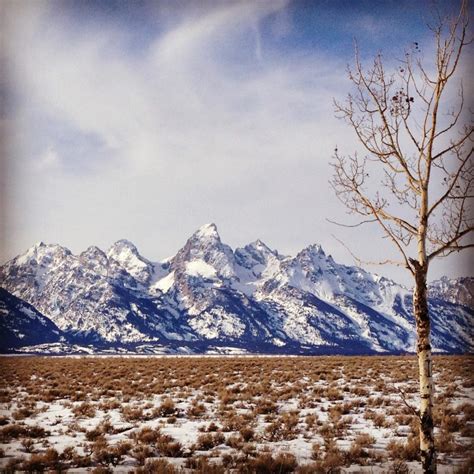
(146, 119)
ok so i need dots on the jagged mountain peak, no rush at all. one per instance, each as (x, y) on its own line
(207, 232)
(122, 246)
(258, 258)
(312, 259)
(94, 259)
(314, 252)
(205, 239)
(42, 253)
(315, 271)
(126, 255)
(257, 250)
(44, 247)
(205, 249)
(261, 246)
(41, 247)
(93, 252)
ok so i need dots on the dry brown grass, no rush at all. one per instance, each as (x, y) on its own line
(240, 404)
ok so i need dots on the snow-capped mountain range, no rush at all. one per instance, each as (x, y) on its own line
(210, 298)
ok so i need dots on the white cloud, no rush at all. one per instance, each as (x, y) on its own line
(178, 102)
(49, 159)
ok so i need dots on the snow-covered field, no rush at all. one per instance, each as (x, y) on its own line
(228, 414)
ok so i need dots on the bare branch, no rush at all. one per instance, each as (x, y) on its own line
(405, 401)
(351, 225)
(453, 183)
(361, 262)
(452, 245)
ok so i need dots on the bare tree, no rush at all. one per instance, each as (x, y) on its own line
(420, 156)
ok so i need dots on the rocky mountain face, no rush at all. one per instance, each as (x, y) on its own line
(210, 298)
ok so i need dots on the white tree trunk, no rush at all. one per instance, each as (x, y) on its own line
(420, 310)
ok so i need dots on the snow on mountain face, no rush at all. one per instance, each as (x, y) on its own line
(253, 298)
(205, 251)
(27, 275)
(319, 274)
(89, 296)
(126, 256)
(21, 324)
(257, 257)
(459, 290)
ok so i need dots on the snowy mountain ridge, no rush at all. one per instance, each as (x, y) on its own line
(208, 296)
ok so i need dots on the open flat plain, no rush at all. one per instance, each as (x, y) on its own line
(229, 414)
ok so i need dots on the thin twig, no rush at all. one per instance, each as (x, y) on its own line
(361, 262)
(351, 225)
(405, 402)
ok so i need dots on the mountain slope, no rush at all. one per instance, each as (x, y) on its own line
(252, 298)
(457, 291)
(22, 325)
